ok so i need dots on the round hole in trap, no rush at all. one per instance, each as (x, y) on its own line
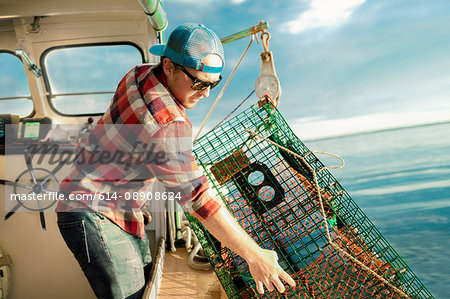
(266, 193)
(256, 178)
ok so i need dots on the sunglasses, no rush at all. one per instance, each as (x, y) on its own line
(198, 84)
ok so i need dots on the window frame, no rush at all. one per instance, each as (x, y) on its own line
(46, 80)
(30, 97)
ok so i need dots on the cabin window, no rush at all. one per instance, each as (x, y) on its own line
(82, 80)
(15, 95)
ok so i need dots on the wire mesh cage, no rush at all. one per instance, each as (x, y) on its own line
(287, 201)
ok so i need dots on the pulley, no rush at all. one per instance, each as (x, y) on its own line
(267, 85)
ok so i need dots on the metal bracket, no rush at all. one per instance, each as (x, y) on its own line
(262, 26)
(31, 66)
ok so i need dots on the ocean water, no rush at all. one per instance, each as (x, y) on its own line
(401, 180)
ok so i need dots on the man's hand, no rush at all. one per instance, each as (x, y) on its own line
(263, 263)
(266, 271)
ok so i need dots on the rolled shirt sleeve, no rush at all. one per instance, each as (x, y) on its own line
(173, 164)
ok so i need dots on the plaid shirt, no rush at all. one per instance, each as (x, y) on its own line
(142, 110)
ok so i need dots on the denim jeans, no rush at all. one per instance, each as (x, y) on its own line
(115, 262)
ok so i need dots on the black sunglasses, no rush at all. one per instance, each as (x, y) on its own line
(198, 84)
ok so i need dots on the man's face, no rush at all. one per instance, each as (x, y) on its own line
(180, 84)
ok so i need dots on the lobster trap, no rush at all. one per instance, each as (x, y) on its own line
(287, 201)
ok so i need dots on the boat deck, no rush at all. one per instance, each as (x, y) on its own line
(179, 280)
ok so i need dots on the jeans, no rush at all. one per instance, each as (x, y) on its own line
(115, 262)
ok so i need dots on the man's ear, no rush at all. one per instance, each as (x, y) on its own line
(168, 66)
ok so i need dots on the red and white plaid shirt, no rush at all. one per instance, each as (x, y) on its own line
(142, 110)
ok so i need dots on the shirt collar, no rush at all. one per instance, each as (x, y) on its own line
(159, 74)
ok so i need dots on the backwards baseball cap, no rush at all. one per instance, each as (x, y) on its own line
(188, 44)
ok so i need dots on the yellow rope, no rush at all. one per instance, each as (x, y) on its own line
(333, 155)
(324, 215)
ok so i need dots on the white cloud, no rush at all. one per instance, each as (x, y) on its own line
(309, 128)
(237, 1)
(323, 13)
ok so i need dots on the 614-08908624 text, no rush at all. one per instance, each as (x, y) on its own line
(111, 196)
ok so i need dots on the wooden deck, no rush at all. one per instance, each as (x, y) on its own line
(179, 280)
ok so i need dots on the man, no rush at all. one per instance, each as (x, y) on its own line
(107, 237)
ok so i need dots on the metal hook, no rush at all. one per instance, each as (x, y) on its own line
(265, 36)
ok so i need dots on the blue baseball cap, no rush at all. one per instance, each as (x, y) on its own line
(188, 44)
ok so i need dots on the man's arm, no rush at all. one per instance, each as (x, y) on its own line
(263, 263)
(180, 174)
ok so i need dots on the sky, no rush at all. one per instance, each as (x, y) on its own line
(345, 66)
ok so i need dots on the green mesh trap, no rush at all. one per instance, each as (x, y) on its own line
(273, 195)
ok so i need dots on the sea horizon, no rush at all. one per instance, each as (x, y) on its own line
(356, 133)
(400, 178)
